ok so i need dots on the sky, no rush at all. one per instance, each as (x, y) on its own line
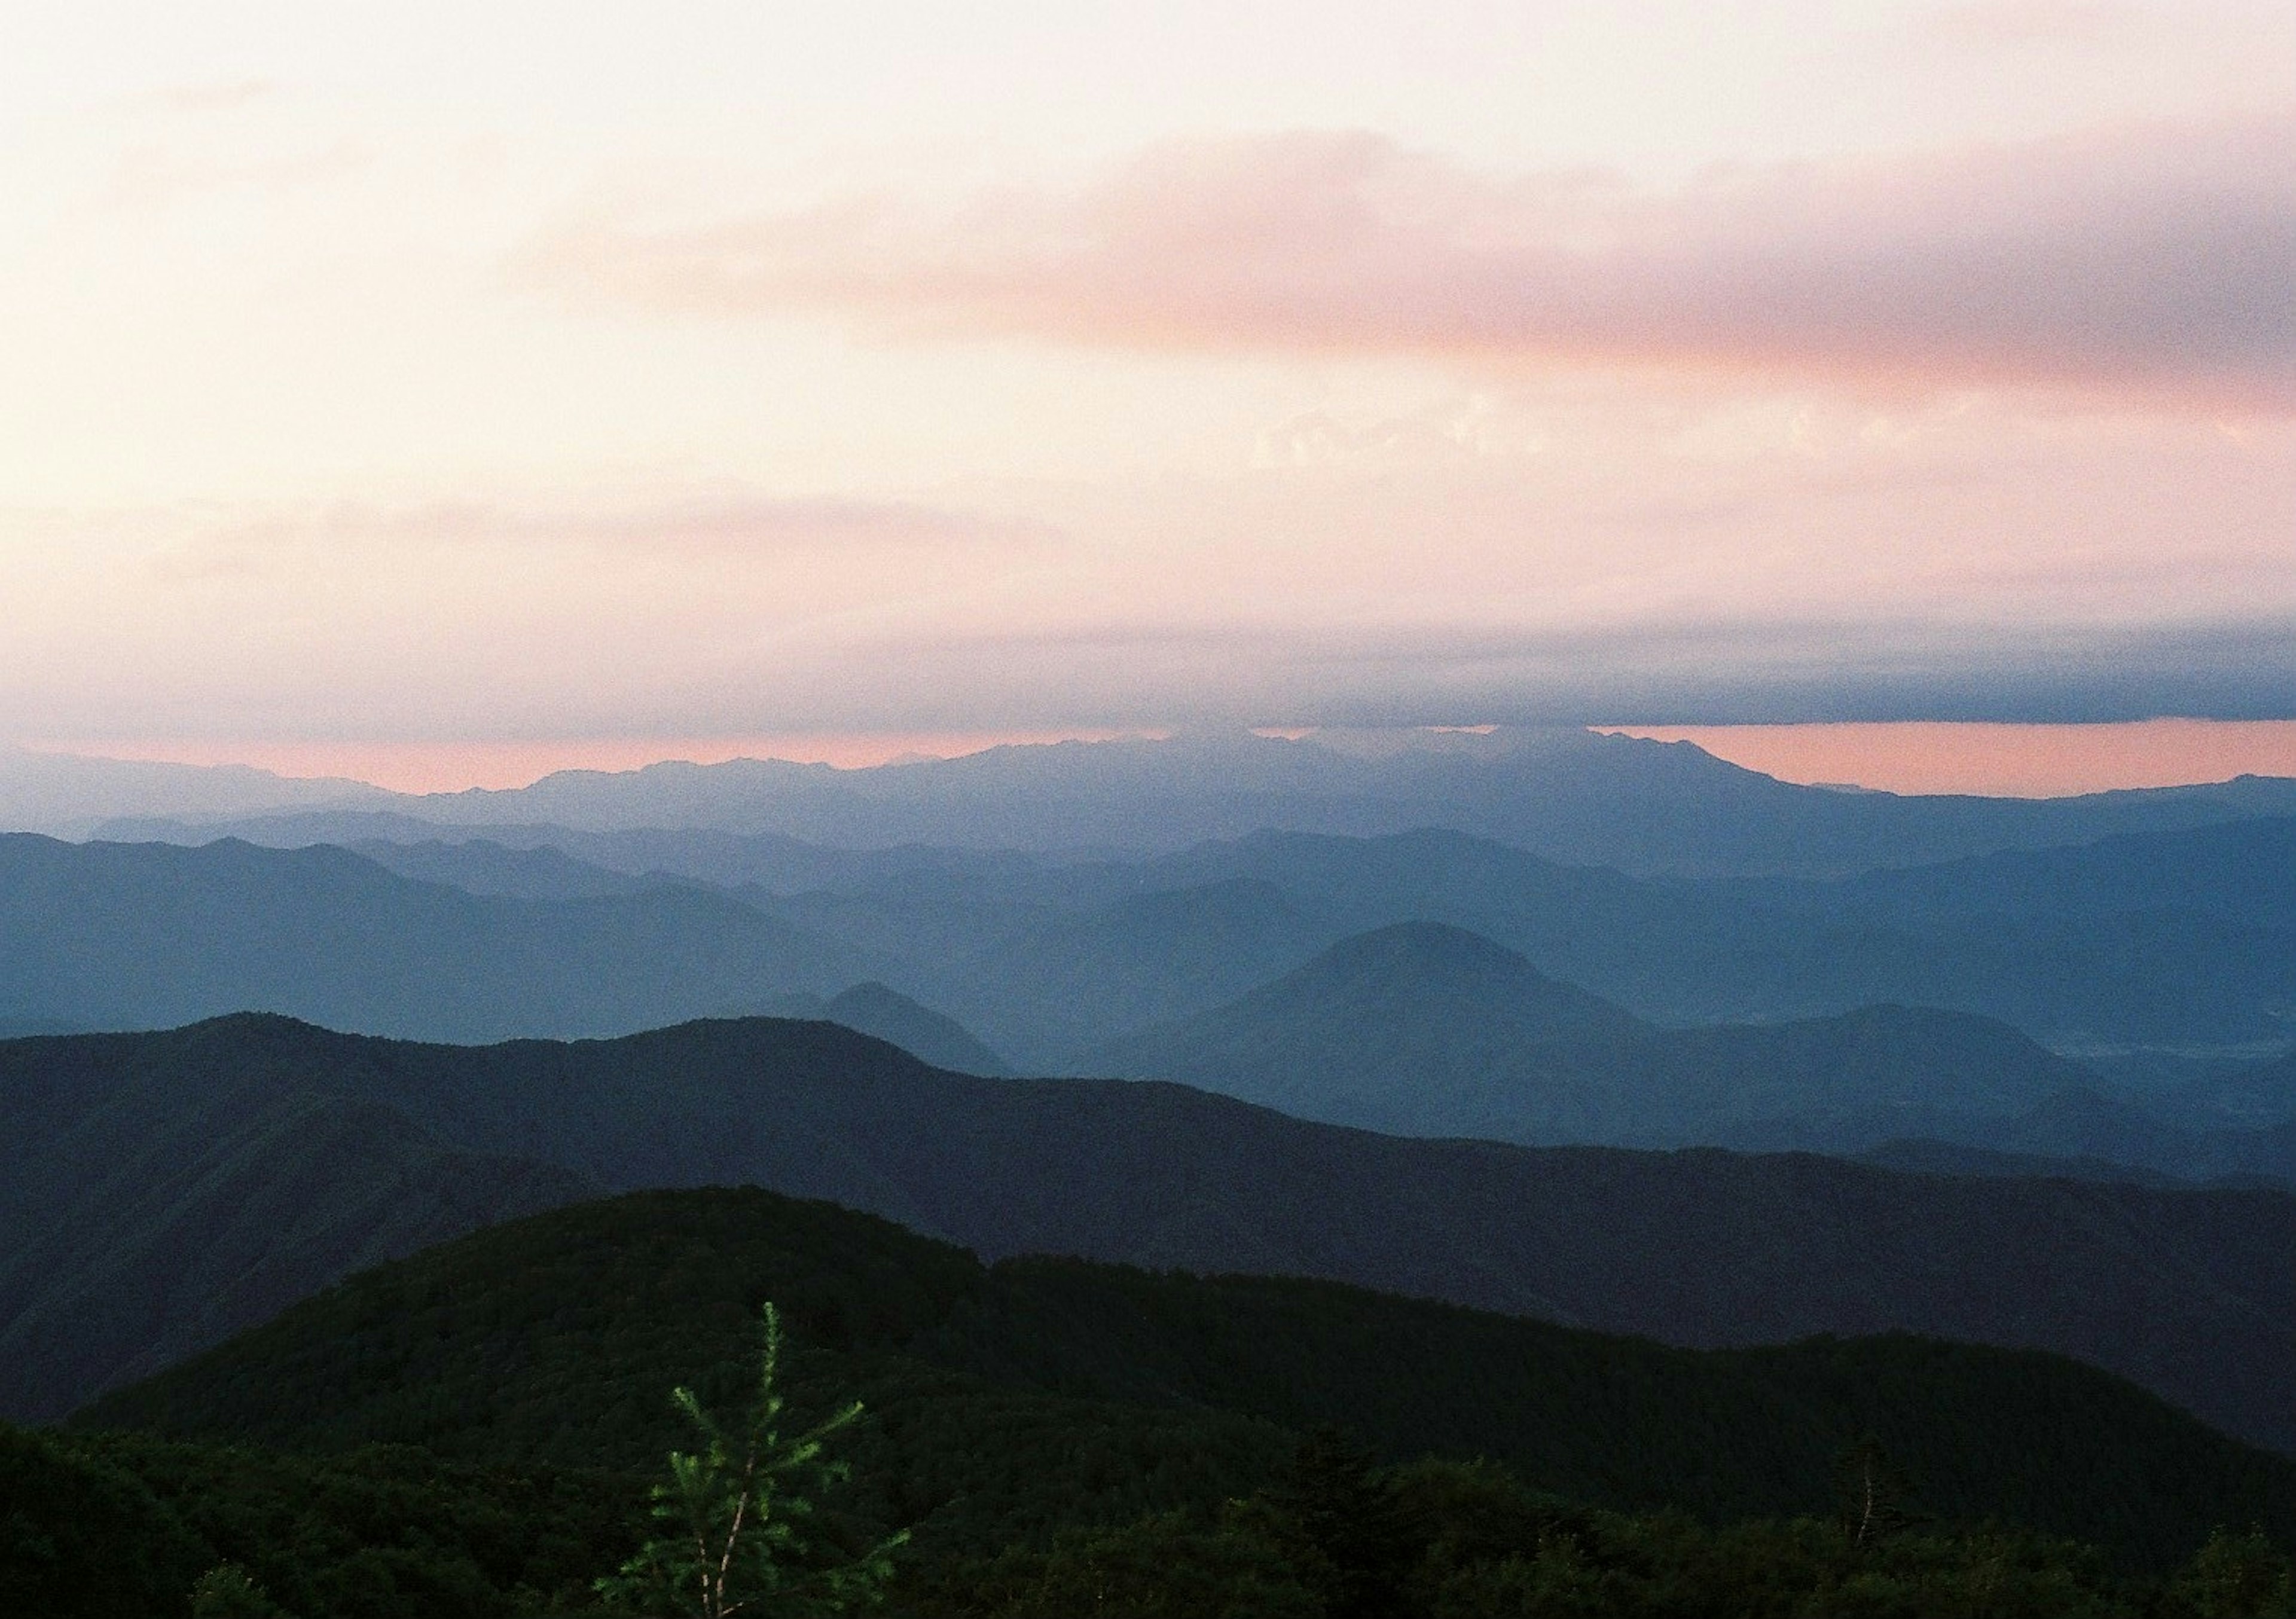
(448, 392)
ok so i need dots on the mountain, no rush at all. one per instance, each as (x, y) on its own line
(18, 1028)
(1050, 964)
(2083, 1124)
(1920, 1156)
(1044, 960)
(142, 1219)
(2189, 1293)
(142, 935)
(482, 866)
(1705, 951)
(2126, 948)
(2258, 1092)
(1424, 1029)
(1059, 979)
(68, 795)
(1417, 1027)
(887, 1015)
(769, 863)
(2242, 870)
(1574, 796)
(1005, 1392)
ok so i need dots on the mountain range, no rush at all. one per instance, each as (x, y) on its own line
(142, 1218)
(872, 1009)
(1002, 1395)
(1424, 1029)
(141, 935)
(1044, 962)
(69, 795)
(1574, 796)
(2191, 1293)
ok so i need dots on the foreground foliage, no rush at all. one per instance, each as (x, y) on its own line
(1010, 1401)
(471, 1434)
(734, 1517)
(94, 1527)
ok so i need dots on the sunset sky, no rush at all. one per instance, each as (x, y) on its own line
(436, 392)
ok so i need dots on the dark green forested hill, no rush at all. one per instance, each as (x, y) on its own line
(143, 1217)
(2190, 1293)
(1014, 1398)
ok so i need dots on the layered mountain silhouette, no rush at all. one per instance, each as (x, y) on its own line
(2191, 1293)
(1642, 807)
(138, 935)
(2241, 872)
(69, 795)
(472, 857)
(872, 1009)
(145, 1217)
(1418, 1028)
(1427, 1029)
(1045, 962)
(1002, 1395)
(482, 866)
(2101, 962)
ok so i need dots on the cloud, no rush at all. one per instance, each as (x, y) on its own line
(211, 96)
(1711, 674)
(158, 176)
(2029, 22)
(1784, 563)
(2150, 262)
(737, 524)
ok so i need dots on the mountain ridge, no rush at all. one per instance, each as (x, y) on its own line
(539, 1342)
(1577, 795)
(2191, 1293)
(99, 936)
(142, 1224)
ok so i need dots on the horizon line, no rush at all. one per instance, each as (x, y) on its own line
(1991, 758)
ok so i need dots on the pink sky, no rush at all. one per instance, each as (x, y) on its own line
(2015, 761)
(423, 385)
(2137, 263)
(2023, 761)
(428, 767)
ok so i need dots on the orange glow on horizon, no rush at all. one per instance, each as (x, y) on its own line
(446, 767)
(2033, 761)
(1998, 760)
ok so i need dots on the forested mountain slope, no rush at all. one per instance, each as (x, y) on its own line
(550, 1341)
(143, 1217)
(2191, 1293)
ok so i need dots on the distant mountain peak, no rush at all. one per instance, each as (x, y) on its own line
(1391, 1017)
(884, 1013)
(878, 1010)
(1418, 943)
(1424, 959)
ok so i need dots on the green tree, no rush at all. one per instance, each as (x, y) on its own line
(736, 1514)
(228, 1591)
(2238, 1576)
(1873, 1499)
(1340, 1520)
